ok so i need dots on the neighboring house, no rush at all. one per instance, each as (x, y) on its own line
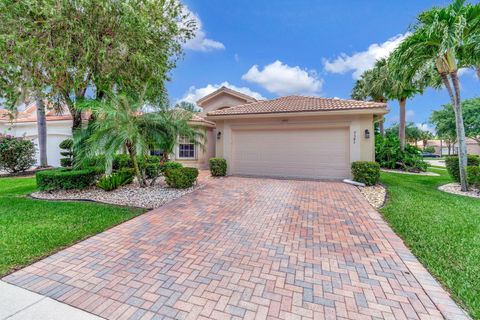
(24, 123)
(442, 148)
(291, 137)
(287, 137)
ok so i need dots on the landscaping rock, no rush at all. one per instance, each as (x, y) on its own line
(375, 195)
(131, 195)
(455, 188)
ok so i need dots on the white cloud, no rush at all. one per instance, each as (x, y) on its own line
(194, 94)
(200, 42)
(425, 127)
(358, 62)
(409, 115)
(282, 79)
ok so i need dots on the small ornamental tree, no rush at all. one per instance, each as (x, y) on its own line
(67, 153)
(16, 154)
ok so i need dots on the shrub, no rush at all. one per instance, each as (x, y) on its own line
(115, 180)
(67, 146)
(367, 172)
(152, 167)
(65, 179)
(181, 178)
(389, 155)
(218, 167)
(171, 165)
(121, 161)
(453, 166)
(473, 176)
(95, 161)
(16, 154)
(128, 174)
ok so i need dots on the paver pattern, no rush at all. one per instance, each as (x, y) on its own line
(246, 248)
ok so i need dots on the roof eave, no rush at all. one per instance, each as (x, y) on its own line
(374, 111)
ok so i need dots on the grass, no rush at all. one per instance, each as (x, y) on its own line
(31, 229)
(441, 229)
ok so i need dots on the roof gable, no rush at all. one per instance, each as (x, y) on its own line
(225, 91)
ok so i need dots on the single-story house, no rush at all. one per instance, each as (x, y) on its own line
(442, 147)
(293, 136)
(24, 123)
(287, 137)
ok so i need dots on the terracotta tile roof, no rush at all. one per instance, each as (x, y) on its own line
(197, 119)
(296, 104)
(30, 114)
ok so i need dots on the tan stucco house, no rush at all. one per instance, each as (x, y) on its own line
(289, 137)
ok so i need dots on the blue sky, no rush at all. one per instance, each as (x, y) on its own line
(275, 48)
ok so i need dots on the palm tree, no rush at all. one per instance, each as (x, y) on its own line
(469, 52)
(400, 90)
(175, 124)
(371, 87)
(121, 125)
(434, 47)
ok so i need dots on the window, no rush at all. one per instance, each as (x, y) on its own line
(186, 148)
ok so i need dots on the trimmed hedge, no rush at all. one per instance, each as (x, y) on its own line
(171, 165)
(218, 167)
(150, 165)
(367, 172)
(65, 179)
(181, 178)
(473, 176)
(453, 166)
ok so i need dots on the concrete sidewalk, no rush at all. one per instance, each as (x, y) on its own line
(20, 304)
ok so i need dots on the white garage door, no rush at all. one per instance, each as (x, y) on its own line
(309, 153)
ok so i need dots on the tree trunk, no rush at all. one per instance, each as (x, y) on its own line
(133, 157)
(381, 127)
(41, 129)
(462, 144)
(478, 73)
(401, 128)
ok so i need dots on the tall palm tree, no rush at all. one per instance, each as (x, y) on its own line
(434, 47)
(400, 90)
(121, 125)
(370, 87)
(469, 52)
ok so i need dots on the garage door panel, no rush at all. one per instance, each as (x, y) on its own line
(312, 153)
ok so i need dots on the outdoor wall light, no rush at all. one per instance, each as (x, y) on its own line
(367, 134)
(219, 135)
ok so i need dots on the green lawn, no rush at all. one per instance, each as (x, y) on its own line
(441, 229)
(31, 229)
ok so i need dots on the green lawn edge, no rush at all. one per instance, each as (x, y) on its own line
(442, 230)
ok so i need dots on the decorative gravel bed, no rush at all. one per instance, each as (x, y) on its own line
(433, 174)
(131, 195)
(455, 189)
(375, 195)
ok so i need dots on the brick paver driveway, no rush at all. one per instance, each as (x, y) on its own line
(246, 248)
